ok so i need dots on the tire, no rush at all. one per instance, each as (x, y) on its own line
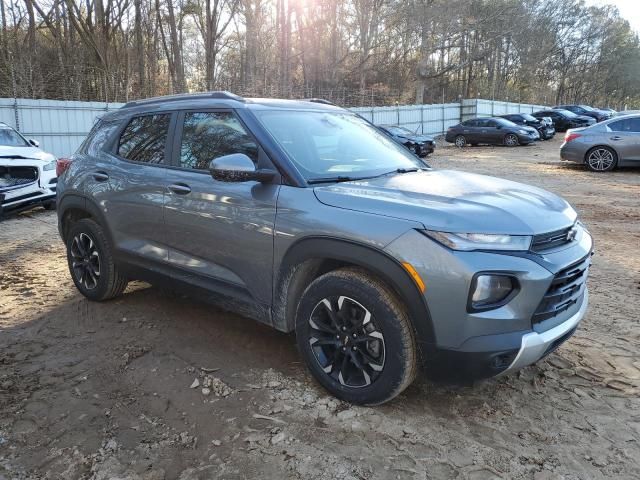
(460, 141)
(511, 140)
(601, 159)
(381, 355)
(91, 264)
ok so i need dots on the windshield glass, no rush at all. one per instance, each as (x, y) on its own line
(567, 113)
(400, 130)
(587, 108)
(529, 118)
(505, 123)
(10, 138)
(333, 144)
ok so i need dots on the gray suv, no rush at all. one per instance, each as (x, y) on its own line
(304, 216)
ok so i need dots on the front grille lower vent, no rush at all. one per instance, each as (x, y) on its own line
(566, 289)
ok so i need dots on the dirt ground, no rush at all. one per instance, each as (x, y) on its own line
(102, 390)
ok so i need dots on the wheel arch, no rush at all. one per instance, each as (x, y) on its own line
(309, 258)
(73, 207)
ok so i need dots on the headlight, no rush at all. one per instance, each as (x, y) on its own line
(489, 290)
(50, 166)
(480, 241)
(522, 132)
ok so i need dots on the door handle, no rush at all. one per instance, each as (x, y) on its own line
(100, 176)
(180, 188)
(616, 138)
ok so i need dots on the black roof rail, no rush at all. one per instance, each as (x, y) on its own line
(221, 95)
(321, 100)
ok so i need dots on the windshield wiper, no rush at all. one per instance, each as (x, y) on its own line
(337, 179)
(344, 178)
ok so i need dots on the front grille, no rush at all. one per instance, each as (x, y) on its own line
(547, 241)
(16, 177)
(566, 290)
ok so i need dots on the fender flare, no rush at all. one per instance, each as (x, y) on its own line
(381, 264)
(80, 202)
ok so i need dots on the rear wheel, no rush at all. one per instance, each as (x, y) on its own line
(511, 140)
(460, 141)
(355, 337)
(601, 159)
(91, 262)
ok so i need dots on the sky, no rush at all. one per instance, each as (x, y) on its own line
(629, 9)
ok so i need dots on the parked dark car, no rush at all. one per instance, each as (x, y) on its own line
(563, 120)
(494, 131)
(421, 145)
(587, 111)
(545, 130)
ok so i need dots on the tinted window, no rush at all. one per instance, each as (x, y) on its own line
(210, 135)
(100, 133)
(626, 125)
(144, 139)
(469, 123)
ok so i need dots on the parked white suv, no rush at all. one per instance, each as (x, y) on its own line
(27, 174)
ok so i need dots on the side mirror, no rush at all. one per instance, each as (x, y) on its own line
(34, 143)
(237, 167)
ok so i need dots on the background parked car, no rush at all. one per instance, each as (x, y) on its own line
(493, 131)
(587, 111)
(545, 130)
(421, 145)
(604, 146)
(626, 112)
(564, 119)
(27, 174)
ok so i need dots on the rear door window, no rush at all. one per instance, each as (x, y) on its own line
(626, 125)
(144, 139)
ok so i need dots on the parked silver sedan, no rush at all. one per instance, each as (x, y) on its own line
(606, 145)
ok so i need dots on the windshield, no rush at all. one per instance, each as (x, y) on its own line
(505, 123)
(529, 118)
(10, 138)
(587, 108)
(400, 130)
(567, 113)
(335, 144)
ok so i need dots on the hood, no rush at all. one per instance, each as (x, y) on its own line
(454, 201)
(585, 118)
(31, 153)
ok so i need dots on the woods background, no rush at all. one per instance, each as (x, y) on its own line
(355, 52)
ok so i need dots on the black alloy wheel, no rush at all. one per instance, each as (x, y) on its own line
(346, 342)
(85, 261)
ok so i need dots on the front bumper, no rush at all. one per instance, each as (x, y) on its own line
(528, 138)
(535, 346)
(471, 344)
(13, 200)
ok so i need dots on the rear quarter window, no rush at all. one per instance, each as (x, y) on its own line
(98, 136)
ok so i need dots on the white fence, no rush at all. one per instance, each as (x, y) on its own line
(60, 126)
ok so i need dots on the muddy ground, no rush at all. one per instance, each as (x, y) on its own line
(102, 390)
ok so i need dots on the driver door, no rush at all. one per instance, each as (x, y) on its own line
(219, 231)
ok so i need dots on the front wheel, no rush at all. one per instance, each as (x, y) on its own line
(511, 140)
(601, 159)
(356, 337)
(460, 141)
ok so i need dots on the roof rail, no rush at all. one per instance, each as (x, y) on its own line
(221, 95)
(321, 100)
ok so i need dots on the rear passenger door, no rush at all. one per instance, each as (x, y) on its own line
(220, 232)
(135, 174)
(624, 136)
